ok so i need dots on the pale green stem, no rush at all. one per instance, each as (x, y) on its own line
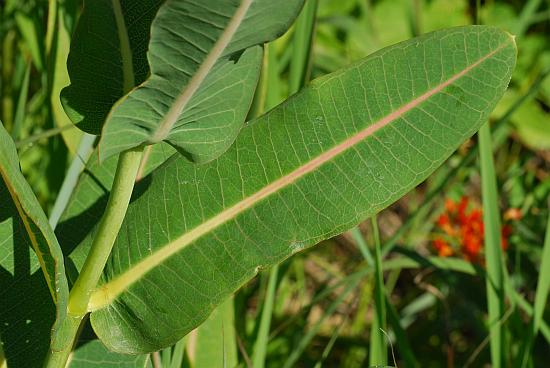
(107, 232)
(102, 245)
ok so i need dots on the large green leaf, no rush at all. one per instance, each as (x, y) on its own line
(108, 56)
(337, 152)
(32, 282)
(204, 70)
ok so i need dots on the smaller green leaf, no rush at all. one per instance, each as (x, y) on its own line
(204, 70)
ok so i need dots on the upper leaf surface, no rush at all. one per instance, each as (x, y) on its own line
(107, 57)
(32, 283)
(334, 154)
(202, 83)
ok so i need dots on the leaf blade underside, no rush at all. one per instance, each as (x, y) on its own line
(205, 63)
(198, 233)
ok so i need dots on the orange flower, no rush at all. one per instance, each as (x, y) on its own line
(471, 246)
(450, 205)
(443, 248)
(466, 229)
(444, 224)
(461, 209)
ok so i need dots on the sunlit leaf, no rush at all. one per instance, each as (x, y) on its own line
(336, 153)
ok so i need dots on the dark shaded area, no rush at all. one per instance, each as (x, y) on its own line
(88, 104)
(27, 312)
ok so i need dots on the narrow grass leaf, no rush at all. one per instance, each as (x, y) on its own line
(178, 353)
(70, 181)
(362, 245)
(216, 343)
(262, 339)
(20, 111)
(329, 346)
(378, 350)
(302, 39)
(543, 284)
(402, 342)
(297, 352)
(31, 31)
(493, 248)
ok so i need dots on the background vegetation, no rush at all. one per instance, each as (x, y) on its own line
(422, 262)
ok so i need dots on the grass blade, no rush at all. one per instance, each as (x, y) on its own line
(378, 347)
(178, 353)
(543, 284)
(21, 104)
(262, 339)
(493, 250)
(403, 344)
(71, 178)
(362, 245)
(524, 19)
(302, 41)
(304, 341)
(329, 346)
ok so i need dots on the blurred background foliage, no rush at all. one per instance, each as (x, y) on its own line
(317, 309)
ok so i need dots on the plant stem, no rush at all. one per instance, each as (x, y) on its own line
(107, 232)
(123, 185)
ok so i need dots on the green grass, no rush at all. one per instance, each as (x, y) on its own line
(378, 347)
(493, 251)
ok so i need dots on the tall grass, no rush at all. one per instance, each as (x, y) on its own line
(493, 250)
(378, 348)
